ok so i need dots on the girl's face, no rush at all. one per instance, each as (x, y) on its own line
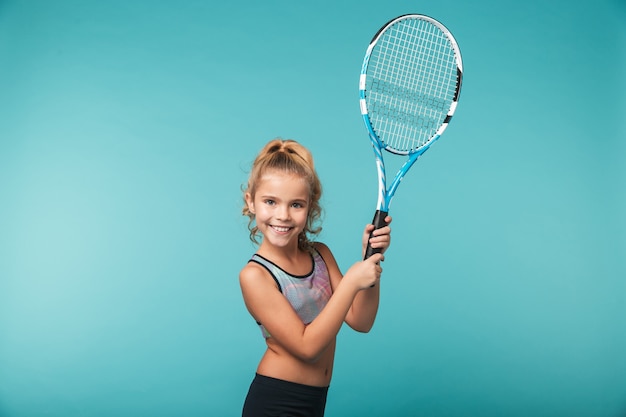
(281, 207)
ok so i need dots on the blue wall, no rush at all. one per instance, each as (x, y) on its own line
(126, 132)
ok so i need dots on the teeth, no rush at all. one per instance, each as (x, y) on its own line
(281, 229)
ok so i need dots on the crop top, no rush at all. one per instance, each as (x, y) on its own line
(307, 294)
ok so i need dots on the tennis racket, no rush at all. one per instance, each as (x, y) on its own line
(408, 90)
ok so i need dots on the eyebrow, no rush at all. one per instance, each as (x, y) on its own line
(273, 197)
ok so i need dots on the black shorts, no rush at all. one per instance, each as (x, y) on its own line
(271, 397)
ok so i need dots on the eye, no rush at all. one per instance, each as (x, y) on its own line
(297, 205)
(269, 202)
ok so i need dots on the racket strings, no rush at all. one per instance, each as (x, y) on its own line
(411, 83)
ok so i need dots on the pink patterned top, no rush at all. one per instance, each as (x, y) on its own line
(307, 294)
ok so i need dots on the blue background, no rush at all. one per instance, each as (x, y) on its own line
(127, 129)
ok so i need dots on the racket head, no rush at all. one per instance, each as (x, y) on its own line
(410, 83)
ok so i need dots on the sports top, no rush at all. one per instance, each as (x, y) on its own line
(307, 294)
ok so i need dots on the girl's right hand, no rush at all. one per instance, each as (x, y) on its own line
(365, 274)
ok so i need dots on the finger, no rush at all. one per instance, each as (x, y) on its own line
(380, 241)
(382, 231)
(376, 258)
(381, 238)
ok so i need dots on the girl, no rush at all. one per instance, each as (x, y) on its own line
(293, 287)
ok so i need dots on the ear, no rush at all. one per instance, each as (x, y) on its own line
(250, 202)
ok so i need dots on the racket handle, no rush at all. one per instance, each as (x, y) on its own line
(378, 222)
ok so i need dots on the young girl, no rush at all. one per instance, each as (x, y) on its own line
(293, 287)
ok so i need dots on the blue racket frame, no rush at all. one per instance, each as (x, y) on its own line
(386, 194)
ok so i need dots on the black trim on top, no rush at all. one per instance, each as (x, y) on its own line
(268, 270)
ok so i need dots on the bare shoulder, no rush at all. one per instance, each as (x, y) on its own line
(254, 275)
(259, 290)
(329, 259)
(324, 251)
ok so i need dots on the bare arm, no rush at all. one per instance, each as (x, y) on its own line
(362, 313)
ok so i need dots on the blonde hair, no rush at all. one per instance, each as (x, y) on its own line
(291, 157)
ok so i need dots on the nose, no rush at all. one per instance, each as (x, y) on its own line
(282, 213)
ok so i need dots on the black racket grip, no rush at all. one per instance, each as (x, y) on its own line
(378, 222)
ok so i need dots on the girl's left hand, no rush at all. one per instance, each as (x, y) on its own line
(381, 238)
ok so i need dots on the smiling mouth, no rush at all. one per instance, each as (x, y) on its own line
(281, 229)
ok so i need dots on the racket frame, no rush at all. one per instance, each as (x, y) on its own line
(385, 195)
